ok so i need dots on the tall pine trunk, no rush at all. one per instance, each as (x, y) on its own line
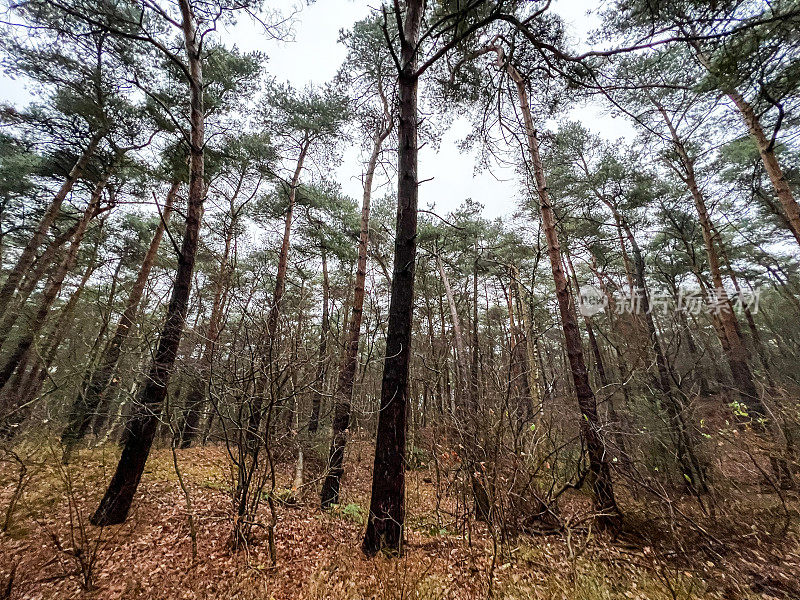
(347, 372)
(608, 512)
(387, 504)
(141, 427)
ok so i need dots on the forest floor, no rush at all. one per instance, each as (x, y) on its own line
(53, 553)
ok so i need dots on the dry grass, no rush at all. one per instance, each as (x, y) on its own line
(319, 555)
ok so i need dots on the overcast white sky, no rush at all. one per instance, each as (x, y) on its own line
(314, 56)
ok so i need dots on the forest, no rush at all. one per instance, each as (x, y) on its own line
(502, 307)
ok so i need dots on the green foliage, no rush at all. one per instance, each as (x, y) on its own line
(350, 512)
(315, 114)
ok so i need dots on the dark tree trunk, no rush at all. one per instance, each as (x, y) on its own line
(141, 427)
(387, 505)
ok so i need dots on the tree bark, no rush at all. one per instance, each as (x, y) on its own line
(387, 510)
(141, 427)
(347, 372)
(766, 149)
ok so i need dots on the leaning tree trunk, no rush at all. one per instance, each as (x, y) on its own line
(731, 338)
(28, 255)
(53, 286)
(32, 279)
(387, 510)
(737, 352)
(268, 385)
(141, 427)
(347, 372)
(766, 149)
(86, 405)
(609, 514)
(29, 381)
